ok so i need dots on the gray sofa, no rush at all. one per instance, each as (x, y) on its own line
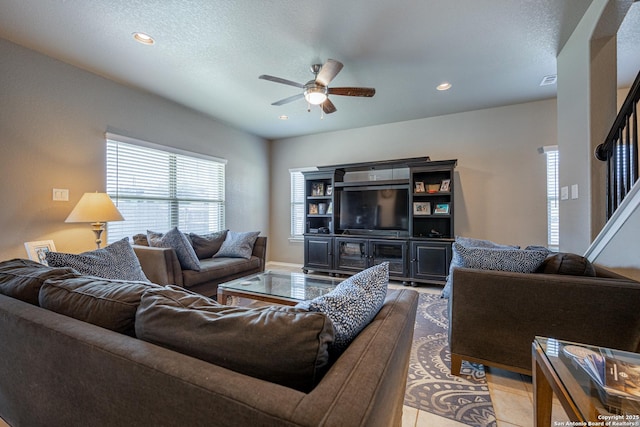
(59, 371)
(495, 315)
(161, 266)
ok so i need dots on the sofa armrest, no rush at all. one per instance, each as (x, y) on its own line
(495, 315)
(160, 265)
(260, 250)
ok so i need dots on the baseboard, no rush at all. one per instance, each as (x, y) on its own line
(275, 264)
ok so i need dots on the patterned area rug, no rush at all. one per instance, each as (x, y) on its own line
(430, 385)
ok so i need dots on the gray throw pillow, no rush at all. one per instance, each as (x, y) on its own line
(177, 241)
(110, 304)
(23, 278)
(117, 261)
(283, 345)
(352, 304)
(207, 245)
(238, 245)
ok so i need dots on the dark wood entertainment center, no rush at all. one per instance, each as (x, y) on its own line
(362, 214)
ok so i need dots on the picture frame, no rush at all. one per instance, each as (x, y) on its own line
(37, 251)
(330, 208)
(445, 185)
(313, 209)
(329, 190)
(441, 209)
(419, 187)
(317, 189)
(421, 208)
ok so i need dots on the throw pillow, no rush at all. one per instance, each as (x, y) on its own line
(352, 304)
(468, 242)
(567, 263)
(207, 245)
(110, 304)
(279, 344)
(238, 245)
(23, 278)
(140, 239)
(117, 261)
(177, 241)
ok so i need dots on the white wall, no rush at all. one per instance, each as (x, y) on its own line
(52, 122)
(500, 179)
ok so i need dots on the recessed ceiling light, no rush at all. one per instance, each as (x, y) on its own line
(143, 38)
(444, 86)
(283, 117)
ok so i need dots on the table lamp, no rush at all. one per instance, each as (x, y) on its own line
(96, 208)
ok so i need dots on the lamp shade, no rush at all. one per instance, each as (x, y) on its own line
(95, 207)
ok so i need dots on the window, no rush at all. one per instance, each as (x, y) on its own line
(553, 210)
(157, 188)
(297, 202)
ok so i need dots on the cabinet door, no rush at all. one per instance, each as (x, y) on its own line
(430, 260)
(318, 252)
(351, 254)
(393, 252)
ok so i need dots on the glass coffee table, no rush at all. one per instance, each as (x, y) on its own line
(276, 287)
(558, 368)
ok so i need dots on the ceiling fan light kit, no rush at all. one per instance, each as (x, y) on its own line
(317, 91)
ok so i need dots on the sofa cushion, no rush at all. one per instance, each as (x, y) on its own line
(207, 245)
(179, 242)
(468, 242)
(567, 263)
(352, 304)
(117, 261)
(111, 304)
(216, 269)
(284, 345)
(23, 278)
(238, 244)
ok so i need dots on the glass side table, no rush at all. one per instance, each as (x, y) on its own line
(556, 369)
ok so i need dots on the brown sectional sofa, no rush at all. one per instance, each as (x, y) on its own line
(161, 266)
(56, 370)
(495, 315)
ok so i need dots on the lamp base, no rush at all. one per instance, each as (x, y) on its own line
(98, 228)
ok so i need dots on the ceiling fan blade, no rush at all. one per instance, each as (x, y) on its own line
(352, 91)
(280, 80)
(329, 70)
(328, 107)
(289, 99)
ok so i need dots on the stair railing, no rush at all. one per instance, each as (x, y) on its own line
(620, 150)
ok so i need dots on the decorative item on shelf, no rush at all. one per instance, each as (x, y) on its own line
(445, 185)
(96, 208)
(322, 208)
(330, 208)
(441, 209)
(317, 189)
(37, 251)
(329, 190)
(433, 188)
(419, 187)
(313, 209)
(421, 208)
(435, 234)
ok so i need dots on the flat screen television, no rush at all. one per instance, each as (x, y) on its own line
(375, 208)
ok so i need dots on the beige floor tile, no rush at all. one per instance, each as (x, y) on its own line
(512, 408)
(508, 381)
(3, 424)
(409, 416)
(505, 424)
(427, 419)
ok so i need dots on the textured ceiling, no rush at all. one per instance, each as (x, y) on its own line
(209, 53)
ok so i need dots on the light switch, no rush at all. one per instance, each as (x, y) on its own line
(564, 193)
(574, 191)
(60, 195)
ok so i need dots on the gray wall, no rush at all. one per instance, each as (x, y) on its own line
(500, 179)
(52, 122)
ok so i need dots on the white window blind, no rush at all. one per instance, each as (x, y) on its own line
(297, 202)
(553, 199)
(157, 188)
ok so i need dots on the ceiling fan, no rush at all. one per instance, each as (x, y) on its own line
(317, 90)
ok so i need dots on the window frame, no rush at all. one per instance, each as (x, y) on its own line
(297, 199)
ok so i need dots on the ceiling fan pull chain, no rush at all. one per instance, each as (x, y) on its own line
(308, 107)
(321, 113)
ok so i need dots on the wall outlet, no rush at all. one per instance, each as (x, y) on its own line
(60, 195)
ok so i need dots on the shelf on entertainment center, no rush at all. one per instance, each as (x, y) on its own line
(377, 183)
